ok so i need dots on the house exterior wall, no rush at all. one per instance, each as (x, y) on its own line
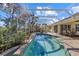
(70, 21)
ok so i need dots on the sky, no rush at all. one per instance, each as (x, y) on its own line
(72, 8)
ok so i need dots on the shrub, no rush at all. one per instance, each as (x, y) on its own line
(8, 39)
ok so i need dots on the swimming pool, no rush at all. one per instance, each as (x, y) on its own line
(44, 45)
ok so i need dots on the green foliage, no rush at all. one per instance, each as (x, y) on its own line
(8, 39)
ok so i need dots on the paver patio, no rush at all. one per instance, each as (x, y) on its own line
(71, 43)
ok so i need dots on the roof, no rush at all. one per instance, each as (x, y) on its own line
(77, 14)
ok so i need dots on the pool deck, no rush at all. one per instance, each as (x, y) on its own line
(70, 43)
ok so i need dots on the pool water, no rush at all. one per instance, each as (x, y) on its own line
(44, 45)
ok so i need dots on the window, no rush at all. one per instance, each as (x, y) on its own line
(65, 27)
(69, 27)
(77, 27)
(55, 28)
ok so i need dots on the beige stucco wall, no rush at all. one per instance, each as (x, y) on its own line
(70, 22)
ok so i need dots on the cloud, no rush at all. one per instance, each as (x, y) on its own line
(39, 7)
(63, 18)
(46, 13)
(55, 20)
(75, 9)
(38, 13)
(51, 13)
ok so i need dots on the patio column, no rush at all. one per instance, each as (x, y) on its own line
(58, 29)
